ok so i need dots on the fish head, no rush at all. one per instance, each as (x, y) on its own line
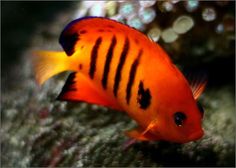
(175, 108)
(178, 115)
(180, 124)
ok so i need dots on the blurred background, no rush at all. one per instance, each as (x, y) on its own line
(38, 131)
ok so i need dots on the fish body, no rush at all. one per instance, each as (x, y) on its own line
(119, 67)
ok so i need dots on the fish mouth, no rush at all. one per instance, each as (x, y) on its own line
(196, 135)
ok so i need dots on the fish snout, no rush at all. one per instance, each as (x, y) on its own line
(196, 135)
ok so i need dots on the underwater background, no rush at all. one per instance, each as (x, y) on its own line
(38, 131)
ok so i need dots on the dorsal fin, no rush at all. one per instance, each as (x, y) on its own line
(78, 87)
(70, 36)
(81, 31)
(197, 83)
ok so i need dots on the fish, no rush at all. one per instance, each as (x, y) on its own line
(119, 67)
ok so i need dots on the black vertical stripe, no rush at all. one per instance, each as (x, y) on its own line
(132, 74)
(94, 55)
(108, 61)
(144, 96)
(120, 66)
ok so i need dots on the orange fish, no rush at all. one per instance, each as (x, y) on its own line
(119, 67)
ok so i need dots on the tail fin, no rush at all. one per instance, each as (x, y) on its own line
(48, 63)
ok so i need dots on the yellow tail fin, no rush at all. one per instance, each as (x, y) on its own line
(49, 63)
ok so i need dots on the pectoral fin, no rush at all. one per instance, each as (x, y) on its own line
(141, 134)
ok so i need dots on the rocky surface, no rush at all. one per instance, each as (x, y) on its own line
(39, 131)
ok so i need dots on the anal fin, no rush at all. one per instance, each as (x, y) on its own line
(78, 87)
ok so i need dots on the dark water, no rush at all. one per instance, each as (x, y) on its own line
(18, 23)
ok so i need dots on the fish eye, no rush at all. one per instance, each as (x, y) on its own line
(179, 118)
(200, 108)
